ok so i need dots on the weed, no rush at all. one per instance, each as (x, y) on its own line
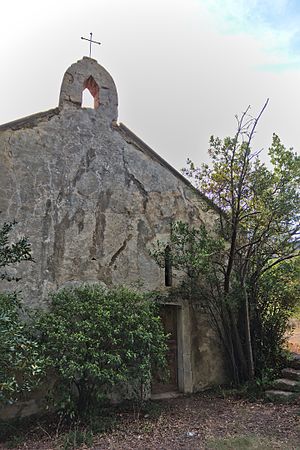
(75, 438)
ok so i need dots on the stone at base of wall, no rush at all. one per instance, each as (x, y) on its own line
(20, 410)
(166, 395)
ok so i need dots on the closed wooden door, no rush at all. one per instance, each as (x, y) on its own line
(168, 315)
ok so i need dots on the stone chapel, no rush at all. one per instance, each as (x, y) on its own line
(92, 197)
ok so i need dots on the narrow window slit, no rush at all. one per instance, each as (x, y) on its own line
(168, 266)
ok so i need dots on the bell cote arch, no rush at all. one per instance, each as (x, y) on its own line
(88, 74)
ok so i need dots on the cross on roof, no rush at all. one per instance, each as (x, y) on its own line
(91, 41)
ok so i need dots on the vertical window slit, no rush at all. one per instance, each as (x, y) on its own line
(168, 266)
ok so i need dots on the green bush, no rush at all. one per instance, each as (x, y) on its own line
(96, 341)
(20, 367)
(12, 253)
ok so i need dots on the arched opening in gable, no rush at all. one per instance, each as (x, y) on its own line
(90, 94)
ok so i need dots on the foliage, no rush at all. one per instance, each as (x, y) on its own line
(258, 220)
(96, 340)
(193, 249)
(296, 312)
(12, 253)
(278, 295)
(21, 367)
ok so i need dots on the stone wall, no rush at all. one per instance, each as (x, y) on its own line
(90, 203)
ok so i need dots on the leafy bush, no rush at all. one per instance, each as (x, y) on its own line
(97, 340)
(12, 253)
(20, 367)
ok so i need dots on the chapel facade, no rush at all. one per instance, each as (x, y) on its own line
(92, 198)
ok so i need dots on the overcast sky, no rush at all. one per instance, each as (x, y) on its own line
(183, 68)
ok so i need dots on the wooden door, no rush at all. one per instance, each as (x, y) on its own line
(168, 315)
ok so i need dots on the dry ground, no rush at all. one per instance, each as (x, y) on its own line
(198, 422)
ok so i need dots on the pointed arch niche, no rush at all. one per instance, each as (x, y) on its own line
(92, 87)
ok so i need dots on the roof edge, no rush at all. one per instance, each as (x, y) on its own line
(130, 137)
(30, 121)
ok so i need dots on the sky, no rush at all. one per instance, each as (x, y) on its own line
(183, 68)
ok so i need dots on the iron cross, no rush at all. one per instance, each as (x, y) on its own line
(91, 41)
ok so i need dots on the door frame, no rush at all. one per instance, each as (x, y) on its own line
(184, 350)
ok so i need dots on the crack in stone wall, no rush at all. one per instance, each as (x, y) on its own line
(120, 250)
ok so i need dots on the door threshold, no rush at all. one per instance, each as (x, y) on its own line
(166, 395)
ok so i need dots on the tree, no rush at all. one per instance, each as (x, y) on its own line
(261, 223)
(258, 220)
(96, 340)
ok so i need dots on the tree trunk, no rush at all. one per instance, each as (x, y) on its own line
(248, 340)
(238, 347)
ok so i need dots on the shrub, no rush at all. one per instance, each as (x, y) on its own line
(97, 340)
(20, 367)
(12, 253)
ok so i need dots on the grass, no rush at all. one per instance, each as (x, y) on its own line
(245, 443)
(76, 438)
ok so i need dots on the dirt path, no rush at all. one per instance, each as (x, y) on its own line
(201, 422)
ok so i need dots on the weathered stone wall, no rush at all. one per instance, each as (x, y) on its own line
(207, 358)
(92, 198)
(90, 203)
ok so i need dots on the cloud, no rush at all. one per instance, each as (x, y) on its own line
(274, 23)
